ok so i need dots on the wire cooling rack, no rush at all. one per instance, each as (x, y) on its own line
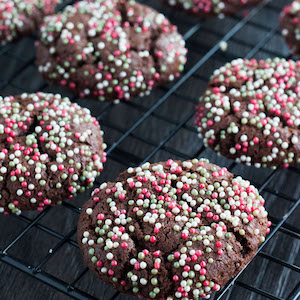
(160, 126)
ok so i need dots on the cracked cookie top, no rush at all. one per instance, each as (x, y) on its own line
(172, 230)
(110, 50)
(22, 17)
(50, 149)
(250, 112)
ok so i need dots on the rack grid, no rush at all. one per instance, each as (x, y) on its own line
(161, 126)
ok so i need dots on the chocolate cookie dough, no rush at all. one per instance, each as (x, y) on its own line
(250, 112)
(211, 8)
(110, 50)
(50, 149)
(172, 230)
(22, 17)
(290, 26)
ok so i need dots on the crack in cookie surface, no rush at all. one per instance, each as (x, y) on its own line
(172, 230)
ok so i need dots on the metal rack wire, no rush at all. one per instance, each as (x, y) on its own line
(157, 106)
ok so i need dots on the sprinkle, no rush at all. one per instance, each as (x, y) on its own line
(223, 46)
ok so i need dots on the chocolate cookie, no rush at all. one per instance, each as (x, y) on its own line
(290, 26)
(110, 49)
(22, 17)
(50, 149)
(173, 230)
(211, 8)
(250, 112)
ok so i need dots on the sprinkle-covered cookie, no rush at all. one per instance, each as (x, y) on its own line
(211, 8)
(22, 17)
(110, 50)
(173, 230)
(250, 112)
(290, 26)
(50, 149)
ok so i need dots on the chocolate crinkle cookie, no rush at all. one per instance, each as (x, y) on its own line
(211, 8)
(50, 149)
(172, 230)
(250, 112)
(110, 50)
(21, 17)
(290, 26)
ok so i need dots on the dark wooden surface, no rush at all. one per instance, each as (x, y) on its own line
(66, 264)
